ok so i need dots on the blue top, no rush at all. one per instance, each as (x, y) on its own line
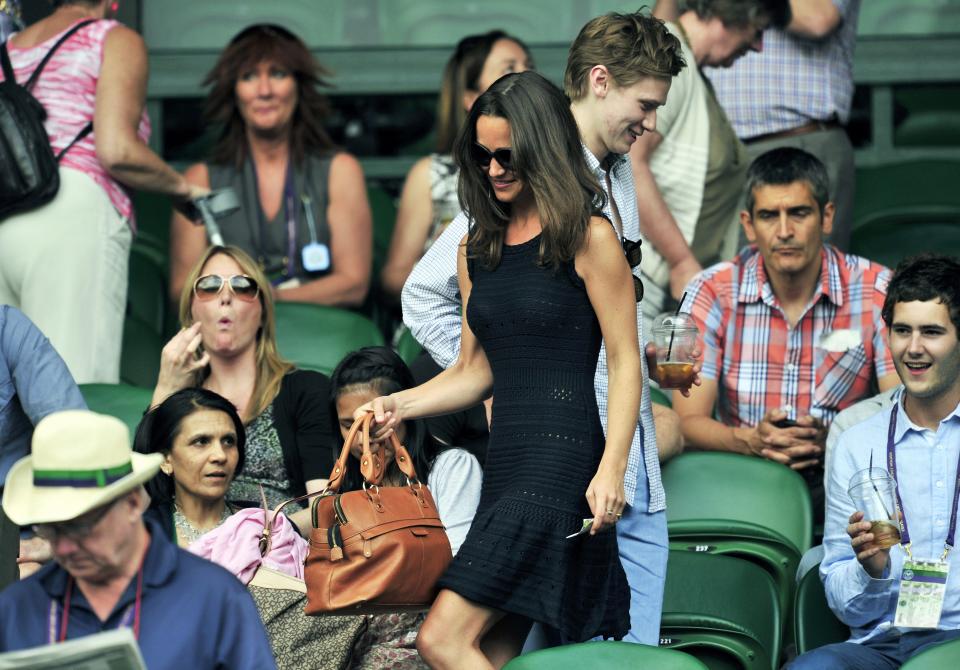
(194, 615)
(926, 473)
(34, 382)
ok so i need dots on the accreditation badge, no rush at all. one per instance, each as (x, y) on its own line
(923, 585)
(315, 257)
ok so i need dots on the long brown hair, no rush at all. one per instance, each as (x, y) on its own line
(547, 157)
(462, 74)
(253, 45)
(271, 367)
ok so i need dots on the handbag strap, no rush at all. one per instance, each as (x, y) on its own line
(67, 35)
(371, 467)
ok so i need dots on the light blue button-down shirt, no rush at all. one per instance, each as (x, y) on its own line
(926, 477)
(34, 382)
(431, 310)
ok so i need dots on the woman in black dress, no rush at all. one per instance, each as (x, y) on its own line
(543, 280)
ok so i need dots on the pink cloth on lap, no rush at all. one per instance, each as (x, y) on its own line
(235, 545)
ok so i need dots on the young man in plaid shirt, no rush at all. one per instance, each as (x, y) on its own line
(790, 329)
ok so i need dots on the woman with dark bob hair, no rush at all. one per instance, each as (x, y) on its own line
(543, 279)
(453, 475)
(303, 203)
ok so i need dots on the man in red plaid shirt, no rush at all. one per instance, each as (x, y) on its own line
(790, 329)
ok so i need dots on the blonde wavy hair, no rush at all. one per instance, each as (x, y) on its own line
(271, 367)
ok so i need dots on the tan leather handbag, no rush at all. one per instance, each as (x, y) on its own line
(379, 549)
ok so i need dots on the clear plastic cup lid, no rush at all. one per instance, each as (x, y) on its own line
(674, 322)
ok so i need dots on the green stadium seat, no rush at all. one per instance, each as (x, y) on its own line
(930, 128)
(147, 288)
(407, 346)
(127, 403)
(906, 188)
(660, 397)
(140, 353)
(384, 211)
(814, 623)
(944, 656)
(722, 610)
(888, 238)
(608, 655)
(740, 506)
(153, 213)
(317, 338)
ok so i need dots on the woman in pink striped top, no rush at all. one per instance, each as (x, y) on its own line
(65, 264)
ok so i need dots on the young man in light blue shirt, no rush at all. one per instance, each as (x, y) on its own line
(918, 440)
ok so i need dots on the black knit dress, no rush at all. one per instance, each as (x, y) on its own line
(542, 339)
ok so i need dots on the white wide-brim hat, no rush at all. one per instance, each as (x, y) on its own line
(79, 461)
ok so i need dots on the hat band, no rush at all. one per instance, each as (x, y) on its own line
(97, 478)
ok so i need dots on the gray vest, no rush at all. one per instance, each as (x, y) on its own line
(268, 241)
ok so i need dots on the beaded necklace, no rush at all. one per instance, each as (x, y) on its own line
(187, 530)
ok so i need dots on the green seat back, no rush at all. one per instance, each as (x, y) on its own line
(890, 237)
(384, 211)
(140, 353)
(723, 610)
(740, 506)
(906, 188)
(147, 288)
(660, 397)
(127, 403)
(932, 128)
(317, 338)
(944, 656)
(608, 655)
(407, 346)
(814, 623)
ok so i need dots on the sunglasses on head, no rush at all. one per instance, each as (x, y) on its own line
(482, 156)
(208, 287)
(632, 251)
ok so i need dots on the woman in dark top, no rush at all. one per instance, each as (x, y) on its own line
(304, 213)
(228, 345)
(543, 279)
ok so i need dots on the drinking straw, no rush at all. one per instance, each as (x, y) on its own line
(679, 305)
(875, 489)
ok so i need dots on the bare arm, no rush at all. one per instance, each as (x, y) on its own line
(410, 233)
(188, 240)
(121, 92)
(656, 221)
(609, 286)
(465, 383)
(351, 241)
(666, 424)
(814, 19)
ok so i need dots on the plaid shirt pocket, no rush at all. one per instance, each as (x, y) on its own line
(841, 376)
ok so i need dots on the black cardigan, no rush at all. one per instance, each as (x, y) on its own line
(301, 415)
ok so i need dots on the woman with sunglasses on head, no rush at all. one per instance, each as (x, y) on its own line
(228, 345)
(429, 198)
(543, 279)
(303, 203)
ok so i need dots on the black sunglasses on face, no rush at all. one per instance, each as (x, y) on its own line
(243, 287)
(482, 156)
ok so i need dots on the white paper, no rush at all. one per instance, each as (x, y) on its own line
(112, 650)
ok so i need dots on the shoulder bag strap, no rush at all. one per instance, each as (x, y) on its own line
(53, 49)
(8, 74)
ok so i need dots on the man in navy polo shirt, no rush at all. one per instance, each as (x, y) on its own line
(81, 489)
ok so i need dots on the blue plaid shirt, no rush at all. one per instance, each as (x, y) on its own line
(431, 309)
(792, 81)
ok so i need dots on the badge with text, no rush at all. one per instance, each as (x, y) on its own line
(316, 257)
(923, 585)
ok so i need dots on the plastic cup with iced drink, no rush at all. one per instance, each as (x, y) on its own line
(873, 492)
(675, 336)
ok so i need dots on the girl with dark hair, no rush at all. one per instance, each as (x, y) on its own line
(304, 213)
(543, 279)
(453, 475)
(429, 198)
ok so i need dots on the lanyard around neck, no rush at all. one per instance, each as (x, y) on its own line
(290, 212)
(125, 620)
(892, 466)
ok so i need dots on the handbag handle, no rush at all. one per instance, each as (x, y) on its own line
(371, 467)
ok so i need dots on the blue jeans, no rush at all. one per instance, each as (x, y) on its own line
(887, 650)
